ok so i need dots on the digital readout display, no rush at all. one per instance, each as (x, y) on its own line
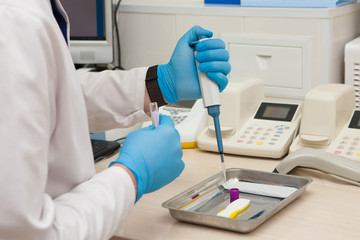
(276, 111)
(279, 112)
(355, 120)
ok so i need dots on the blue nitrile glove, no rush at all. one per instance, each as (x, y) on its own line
(153, 155)
(178, 80)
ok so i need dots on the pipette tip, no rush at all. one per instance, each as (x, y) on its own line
(223, 165)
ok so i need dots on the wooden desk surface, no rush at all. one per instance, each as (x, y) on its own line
(328, 209)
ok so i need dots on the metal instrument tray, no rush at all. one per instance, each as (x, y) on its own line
(187, 206)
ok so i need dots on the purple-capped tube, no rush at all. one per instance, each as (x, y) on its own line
(234, 194)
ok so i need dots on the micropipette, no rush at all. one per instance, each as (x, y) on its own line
(211, 99)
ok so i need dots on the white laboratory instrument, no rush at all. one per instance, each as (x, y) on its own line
(329, 122)
(352, 67)
(251, 127)
(347, 143)
(189, 117)
(335, 165)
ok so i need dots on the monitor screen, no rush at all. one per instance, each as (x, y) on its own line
(91, 40)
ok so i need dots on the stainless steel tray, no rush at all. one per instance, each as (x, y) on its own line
(183, 207)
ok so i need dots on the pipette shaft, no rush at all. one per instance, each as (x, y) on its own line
(214, 112)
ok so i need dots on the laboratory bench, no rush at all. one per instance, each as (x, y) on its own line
(328, 209)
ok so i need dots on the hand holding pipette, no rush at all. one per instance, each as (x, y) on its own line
(178, 79)
(211, 98)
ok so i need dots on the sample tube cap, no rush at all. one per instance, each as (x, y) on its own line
(234, 194)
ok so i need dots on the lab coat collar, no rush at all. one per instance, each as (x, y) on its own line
(61, 18)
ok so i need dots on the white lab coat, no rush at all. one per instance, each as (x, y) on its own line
(48, 186)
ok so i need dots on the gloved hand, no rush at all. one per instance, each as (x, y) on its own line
(153, 155)
(178, 80)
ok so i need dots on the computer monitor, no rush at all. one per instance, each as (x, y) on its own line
(91, 30)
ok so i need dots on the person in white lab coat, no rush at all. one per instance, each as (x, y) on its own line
(48, 185)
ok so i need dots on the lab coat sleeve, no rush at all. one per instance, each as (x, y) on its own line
(114, 99)
(96, 208)
(93, 208)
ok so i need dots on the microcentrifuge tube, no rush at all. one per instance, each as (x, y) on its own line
(154, 112)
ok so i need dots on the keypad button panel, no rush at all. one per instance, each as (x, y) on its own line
(178, 115)
(261, 138)
(348, 146)
(262, 135)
